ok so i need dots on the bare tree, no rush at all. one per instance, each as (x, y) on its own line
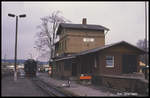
(47, 35)
(142, 45)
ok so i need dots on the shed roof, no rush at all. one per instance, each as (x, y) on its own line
(98, 49)
(65, 57)
(80, 26)
(108, 46)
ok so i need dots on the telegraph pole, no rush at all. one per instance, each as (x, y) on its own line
(146, 40)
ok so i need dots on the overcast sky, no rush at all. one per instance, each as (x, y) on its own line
(126, 21)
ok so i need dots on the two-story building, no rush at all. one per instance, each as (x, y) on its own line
(74, 38)
(81, 50)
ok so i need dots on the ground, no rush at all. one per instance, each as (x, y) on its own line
(22, 87)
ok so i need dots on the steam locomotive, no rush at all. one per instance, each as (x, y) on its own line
(30, 68)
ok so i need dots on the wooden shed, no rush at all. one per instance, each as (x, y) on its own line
(114, 59)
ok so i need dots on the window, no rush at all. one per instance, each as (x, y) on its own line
(95, 63)
(88, 39)
(109, 61)
(59, 46)
(62, 45)
(65, 44)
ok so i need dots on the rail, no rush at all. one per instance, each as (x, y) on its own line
(51, 91)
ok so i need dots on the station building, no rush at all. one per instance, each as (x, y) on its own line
(82, 50)
(74, 38)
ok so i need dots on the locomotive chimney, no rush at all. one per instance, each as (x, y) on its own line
(84, 21)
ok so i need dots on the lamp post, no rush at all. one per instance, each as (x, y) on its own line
(21, 16)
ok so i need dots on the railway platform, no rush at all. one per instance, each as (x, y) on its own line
(75, 89)
(20, 87)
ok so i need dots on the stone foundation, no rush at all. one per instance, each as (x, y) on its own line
(125, 84)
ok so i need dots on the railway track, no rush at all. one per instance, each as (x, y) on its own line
(51, 91)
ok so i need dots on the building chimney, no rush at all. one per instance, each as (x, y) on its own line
(84, 21)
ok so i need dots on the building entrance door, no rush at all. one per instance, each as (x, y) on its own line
(129, 64)
(74, 69)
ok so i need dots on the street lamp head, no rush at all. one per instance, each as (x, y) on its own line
(11, 15)
(22, 16)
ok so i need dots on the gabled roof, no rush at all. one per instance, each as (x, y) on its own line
(108, 46)
(80, 26)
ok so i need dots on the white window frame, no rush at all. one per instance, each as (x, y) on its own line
(113, 60)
